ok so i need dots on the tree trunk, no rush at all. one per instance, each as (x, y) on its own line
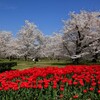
(95, 57)
(25, 57)
(75, 61)
(10, 58)
(78, 46)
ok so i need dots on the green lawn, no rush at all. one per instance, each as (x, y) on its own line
(21, 64)
(28, 64)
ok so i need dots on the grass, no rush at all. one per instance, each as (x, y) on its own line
(43, 63)
(21, 64)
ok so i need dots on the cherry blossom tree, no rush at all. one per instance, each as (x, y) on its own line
(5, 38)
(80, 32)
(52, 46)
(13, 49)
(29, 40)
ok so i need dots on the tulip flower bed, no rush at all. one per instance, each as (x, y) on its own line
(51, 83)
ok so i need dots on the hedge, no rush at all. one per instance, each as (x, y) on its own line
(4, 66)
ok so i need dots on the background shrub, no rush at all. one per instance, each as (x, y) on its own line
(4, 66)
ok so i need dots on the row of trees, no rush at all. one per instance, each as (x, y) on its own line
(79, 39)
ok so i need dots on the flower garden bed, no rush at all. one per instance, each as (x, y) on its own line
(80, 82)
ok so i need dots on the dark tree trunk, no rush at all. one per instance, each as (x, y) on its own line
(78, 47)
(95, 57)
(78, 51)
(10, 58)
(25, 57)
(76, 61)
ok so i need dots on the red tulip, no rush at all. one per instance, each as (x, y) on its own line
(75, 96)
